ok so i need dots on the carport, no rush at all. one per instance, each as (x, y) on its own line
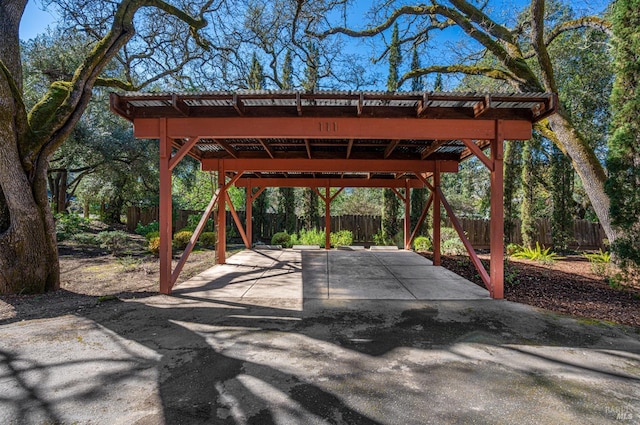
(324, 140)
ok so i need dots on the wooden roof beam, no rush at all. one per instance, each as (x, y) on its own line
(227, 147)
(267, 148)
(390, 148)
(432, 148)
(307, 144)
(238, 105)
(349, 147)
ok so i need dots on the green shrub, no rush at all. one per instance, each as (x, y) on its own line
(512, 248)
(310, 237)
(151, 235)
(600, 262)
(154, 226)
(181, 239)
(114, 241)
(194, 219)
(447, 233)
(281, 238)
(422, 243)
(341, 238)
(154, 246)
(68, 225)
(207, 239)
(86, 239)
(544, 256)
(453, 247)
(381, 240)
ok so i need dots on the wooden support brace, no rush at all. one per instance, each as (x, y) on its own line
(478, 152)
(236, 219)
(194, 238)
(182, 152)
(425, 210)
(465, 241)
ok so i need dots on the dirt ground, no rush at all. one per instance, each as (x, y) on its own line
(567, 286)
(90, 276)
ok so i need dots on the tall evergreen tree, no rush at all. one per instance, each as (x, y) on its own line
(528, 229)
(561, 199)
(390, 202)
(438, 83)
(256, 81)
(310, 197)
(512, 175)
(623, 160)
(418, 196)
(416, 82)
(395, 57)
(286, 198)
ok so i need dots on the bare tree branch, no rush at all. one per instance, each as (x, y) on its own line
(493, 73)
(592, 22)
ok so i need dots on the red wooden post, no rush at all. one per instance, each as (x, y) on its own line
(221, 249)
(407, 215)
(165, 209)
(496, 267)
(436, 216)
(327, 218)
(248, 212)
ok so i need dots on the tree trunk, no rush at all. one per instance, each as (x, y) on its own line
(28, 250)
(588, 168)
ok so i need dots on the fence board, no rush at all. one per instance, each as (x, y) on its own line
(587, 235)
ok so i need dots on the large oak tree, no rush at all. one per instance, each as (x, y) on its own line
(28, 138)
(522, 61)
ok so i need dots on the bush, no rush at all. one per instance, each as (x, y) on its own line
(381, 240)
(512, 248)
(422, 243)
(453, 247)
(600, 262)
(154, 246)
(341, 238)
(310, 237)
(86, 239)
(114, 241)
(544, 256)
(207, 239)
(281, 238)
(151, 235)
(181, 239)
(68, 225)
(154, 226)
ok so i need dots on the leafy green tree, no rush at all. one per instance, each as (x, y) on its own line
(561, 188)
(416, 82)
(28, 138)
(437, 86)
(395, 58)
(256, 79)
(522, 61)
(623, 160)
(390, 202)
(512, 175)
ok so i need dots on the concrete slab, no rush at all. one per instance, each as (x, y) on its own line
(176, 360)
(334, 274)
(344, 287)
(444, 289)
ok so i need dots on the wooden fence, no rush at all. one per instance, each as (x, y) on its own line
(587, 235)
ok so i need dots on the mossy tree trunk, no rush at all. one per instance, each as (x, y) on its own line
(28, 247)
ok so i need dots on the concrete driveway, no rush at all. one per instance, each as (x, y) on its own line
(193, 359)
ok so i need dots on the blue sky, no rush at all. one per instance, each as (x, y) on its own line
(35, 20)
